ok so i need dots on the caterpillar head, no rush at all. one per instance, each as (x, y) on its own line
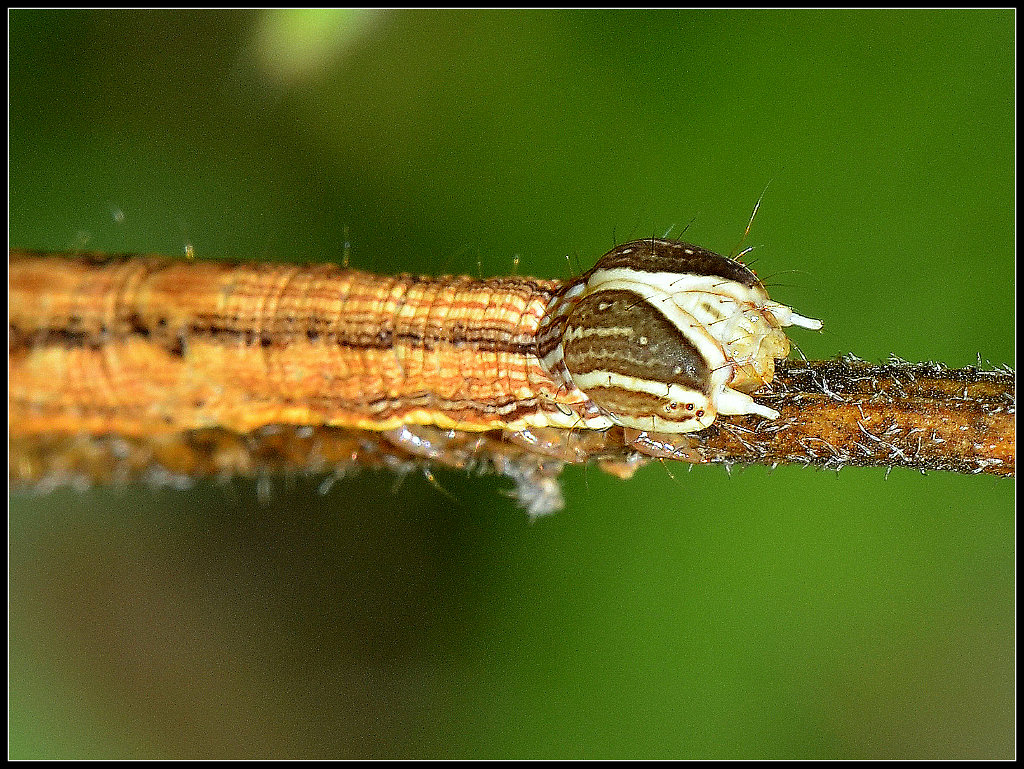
(664, 336)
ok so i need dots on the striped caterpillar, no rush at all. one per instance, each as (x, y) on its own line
(519, 374)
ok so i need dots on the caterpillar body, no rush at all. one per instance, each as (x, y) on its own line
(522, 374)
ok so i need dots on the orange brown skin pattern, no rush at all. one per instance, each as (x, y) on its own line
(145, 345)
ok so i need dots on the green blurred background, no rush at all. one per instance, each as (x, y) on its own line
(785, 614)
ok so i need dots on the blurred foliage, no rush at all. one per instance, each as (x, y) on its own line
(785, 614)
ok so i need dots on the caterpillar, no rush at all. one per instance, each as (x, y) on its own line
(656, 340)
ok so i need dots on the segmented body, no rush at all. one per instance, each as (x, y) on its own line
(147, 345)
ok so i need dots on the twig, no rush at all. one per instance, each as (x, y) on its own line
(849, 412)
(834, 414)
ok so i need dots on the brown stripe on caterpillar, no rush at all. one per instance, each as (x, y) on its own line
(617, 330)
(484, 338)
(660, 255)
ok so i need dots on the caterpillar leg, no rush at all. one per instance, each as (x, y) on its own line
(664, 445)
